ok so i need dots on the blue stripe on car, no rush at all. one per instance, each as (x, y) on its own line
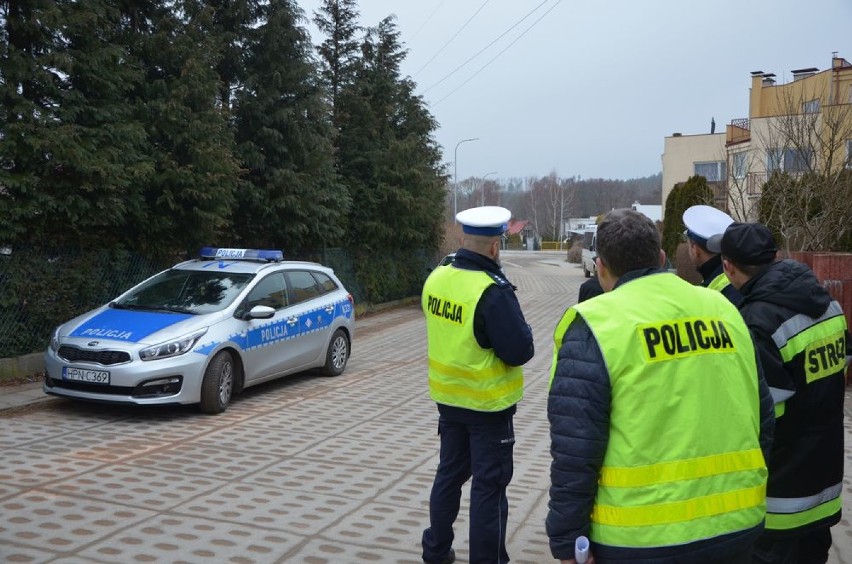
(127, 325)
(281, 330)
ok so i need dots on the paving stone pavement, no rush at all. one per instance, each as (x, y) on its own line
(307, 469)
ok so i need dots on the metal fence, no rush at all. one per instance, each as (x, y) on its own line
(40, 289)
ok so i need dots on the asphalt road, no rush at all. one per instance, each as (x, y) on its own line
(307, 469)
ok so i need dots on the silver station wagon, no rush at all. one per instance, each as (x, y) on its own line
(203, 330)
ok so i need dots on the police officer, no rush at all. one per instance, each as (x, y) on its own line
(660, 419)
(589, 289)
(477, 341)
(702, 222)
(801, 336)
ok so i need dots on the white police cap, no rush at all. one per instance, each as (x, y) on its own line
(484, 220)
(702, 222)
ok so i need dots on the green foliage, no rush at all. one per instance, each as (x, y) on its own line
(694, 191)
(289, 188)
(70, 145)
(808, 212)
(388, 156)
(392, 275)
(165, 125)
(190, 191)
(42, 288)
(338, 21)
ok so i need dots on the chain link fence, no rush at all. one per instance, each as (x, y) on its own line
(40, 289)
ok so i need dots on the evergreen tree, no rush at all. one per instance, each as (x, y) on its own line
(693, 192)
(29, 93)
(228, 26)
(338, 21)
(290, 196)
(189, 193)
(388, 156)
(73, 149)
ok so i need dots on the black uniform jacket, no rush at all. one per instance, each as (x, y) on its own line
(807, 455)
(713, 268)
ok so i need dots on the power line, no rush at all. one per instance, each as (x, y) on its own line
(441, 3)
(453, 37)
(499, 37)
(498, 54)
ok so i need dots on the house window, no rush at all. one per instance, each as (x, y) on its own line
(713, 171)
(774, 160)
(739, 164)
(796, 160)
(787, 160)
(811, 106)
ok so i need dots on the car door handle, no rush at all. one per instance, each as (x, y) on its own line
(329, 309)
(292, 321)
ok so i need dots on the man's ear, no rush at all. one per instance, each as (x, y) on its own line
(605, 277)
(662, 258)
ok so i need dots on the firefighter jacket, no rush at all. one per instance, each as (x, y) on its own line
(801, 334)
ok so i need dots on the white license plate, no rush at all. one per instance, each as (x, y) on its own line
(84, 375)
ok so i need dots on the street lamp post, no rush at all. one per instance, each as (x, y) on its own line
(456, 175)
(482, 188)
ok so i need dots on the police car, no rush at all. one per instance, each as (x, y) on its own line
(203, 330)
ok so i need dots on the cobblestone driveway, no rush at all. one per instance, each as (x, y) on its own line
(307, 469)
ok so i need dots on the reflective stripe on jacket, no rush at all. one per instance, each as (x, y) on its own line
(461, 372)
(719, 283)
(815, 349)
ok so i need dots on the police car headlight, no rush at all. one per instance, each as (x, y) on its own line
(54, 340)
(169, 349)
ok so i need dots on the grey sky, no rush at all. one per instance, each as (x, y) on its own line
(592, 89)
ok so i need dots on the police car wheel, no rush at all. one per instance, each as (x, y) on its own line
(586, 273)
(337, 354)
(218, 384)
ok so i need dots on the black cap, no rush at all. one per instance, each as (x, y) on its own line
(749, 244)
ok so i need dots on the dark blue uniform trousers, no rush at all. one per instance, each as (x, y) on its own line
(478, 445)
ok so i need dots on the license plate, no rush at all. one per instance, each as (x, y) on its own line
(84, 375)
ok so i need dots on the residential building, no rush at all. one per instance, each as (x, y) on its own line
(654, 213)
(802, 126)
(685, 156)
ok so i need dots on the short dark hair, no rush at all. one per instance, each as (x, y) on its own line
(750, 270)
(628, 240)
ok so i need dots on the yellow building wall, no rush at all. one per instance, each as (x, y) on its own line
(680, 154)
(831, 86)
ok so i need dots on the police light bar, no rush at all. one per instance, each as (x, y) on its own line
(242, 254)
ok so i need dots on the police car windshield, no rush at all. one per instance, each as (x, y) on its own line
(186, 291)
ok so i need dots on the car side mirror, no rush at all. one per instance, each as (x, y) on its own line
(260, 312)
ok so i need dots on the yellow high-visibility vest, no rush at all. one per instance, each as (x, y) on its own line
(683, 461)
(462, 373)
(719, 283)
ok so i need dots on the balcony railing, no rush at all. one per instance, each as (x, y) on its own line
(738, 131)
(755, 182)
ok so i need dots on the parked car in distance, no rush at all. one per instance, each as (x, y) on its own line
(590, 252)
(205, 329)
